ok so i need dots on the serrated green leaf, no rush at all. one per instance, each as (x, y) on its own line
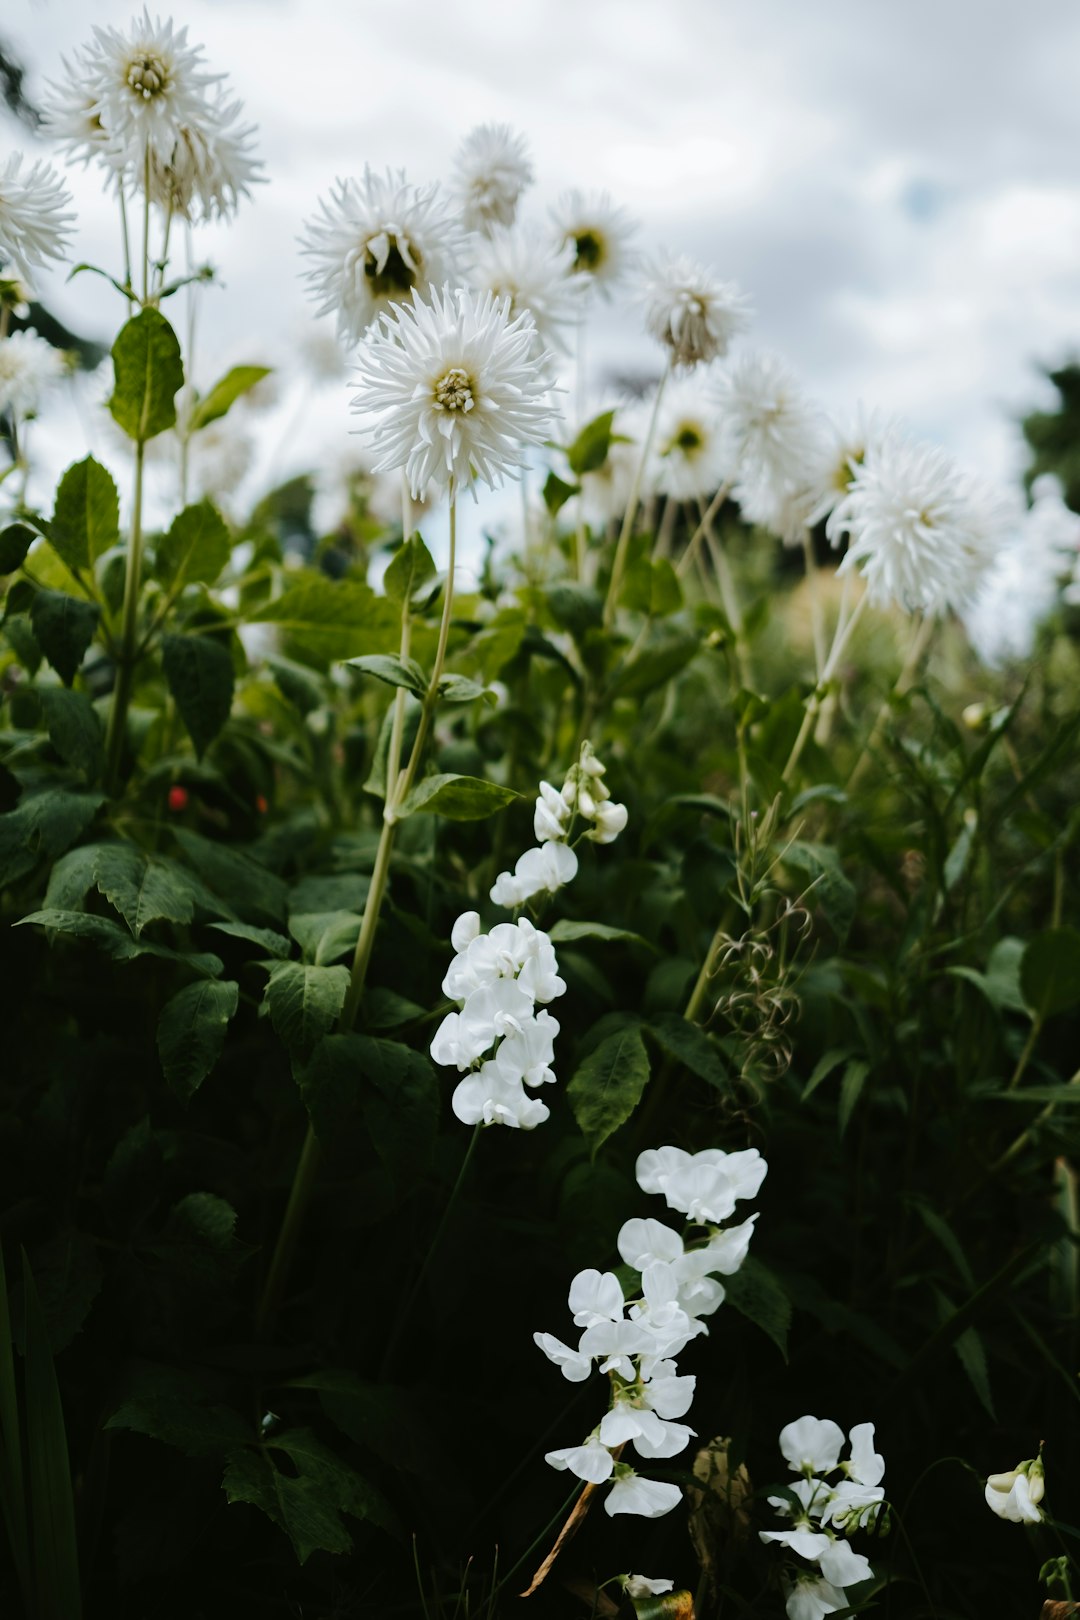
(117, 943)
(393, 669)
(142, 888)
(324, 935)
(1050, 972)
(191, 1032)
(199, 672)
(196, 548)
(266, 939)
(690, 1045)
(250, 888)
(459, 798)
(307, 1501)
(41, 827)
(236, 382)
(608, 1085)
(390, 1087)
(63, 628)
(410, 567)
(149, 375)
(323, 620)
(829, 889)
(304, 1001)
(174, 1406)
(74, 728)
(86, 520)
(758, 1294)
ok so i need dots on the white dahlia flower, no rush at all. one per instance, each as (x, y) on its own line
(34, 216)
(28, 366)
(843, 452)
(209, 168)
(456, 388)
(129, 93)
(689, 452)
(523, 266)
(921, 531)
(1020, 588)
(375, 241)
(598, 233)
(690, 312)
(772, 431)
(491, 170)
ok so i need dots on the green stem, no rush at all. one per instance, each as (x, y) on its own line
(686, 561)
(816, 622)
(128, 652)
(5, 320)
(813, 707)
(295, 1210)
(418, 1282)
(618, 566)
(125, 238)
(919, 643)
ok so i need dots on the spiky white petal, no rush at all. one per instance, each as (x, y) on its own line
(1020, 587)
(844, 449)
(921, 531)
(689, 454)
(598, 233)
(375, 241)
(34, 216)
(772, 431)
(491, 170)
(455, 389)
(690, 312)
(524, 266)
(210, 167)
(28, 365)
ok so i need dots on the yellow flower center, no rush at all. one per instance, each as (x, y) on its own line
(454, 391)
(148, 75)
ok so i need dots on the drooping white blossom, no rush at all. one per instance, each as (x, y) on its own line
(210, 167)
(538, 871)
(28, 368)
(375, 241)
(34, 217)
(1016, 1495)
(706, 1185)
(648, 1498)
(690, 312)
(641, 1586)
(452, 389)
(1020, 588)
(491, 170)
(591, 1461)
(523, 266)
(598, 233)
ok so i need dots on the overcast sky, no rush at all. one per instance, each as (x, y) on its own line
(894, 182)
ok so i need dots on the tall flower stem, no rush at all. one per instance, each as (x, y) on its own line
(919, 643)
(686, 561)
(618, 566)
(128, 651)
(817, 624)
(813, 707)
(398, 786)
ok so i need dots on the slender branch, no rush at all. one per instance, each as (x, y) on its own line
(813, 707)
(618, 566)
(919, 643)
(686, 561)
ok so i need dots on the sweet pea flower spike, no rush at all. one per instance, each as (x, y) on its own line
(1017, 1494)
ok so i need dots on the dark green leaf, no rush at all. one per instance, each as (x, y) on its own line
(608, 1085)
(191, 1032)
(556, 493)
(236, 382)
(828, 888)
(196, 548)
(67, 1272)
(322, 620)
(459, 689)
(324, 935)
(149, 374)
(851, 1087)
(1050, 972)
(459, 798)
(391, 1087)
(117, 943)
(757, 1294)
(690, 1046)
(307, 1501)
(304, 1001)
(192, 1426)
(64, 628)
(143, 888)
(590, 449)
(41, 827)
(1000, 984)
(410, 567)
(74, 728)
(565, 932)
(249, 887)
(266, 939)
(663, 656)
(393, 669)
(86, 521)
(15, 542)
(199, 672)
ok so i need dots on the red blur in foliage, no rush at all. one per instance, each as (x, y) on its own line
(178, 798)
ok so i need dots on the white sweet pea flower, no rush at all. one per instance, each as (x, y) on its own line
(668, 1326)
(811, 1598)
(813, 1495)
(610, 819)
(596, 1296)
(675, 1438)
(574, 1366)
(867, 1466)
(551, 818)
(488, 1097)
(1017, 1494)
(848, 1503)
(648, 1498)
(528, 1055)
(842, 1566)
(591, 1461)
(810, 1544)
(728, 1249)
(640, 1242)
(465, 930)
(812, 1445)
(627, 1422)
(640, 1586)
(667, 1392)
(615, 1344)
(539, 871)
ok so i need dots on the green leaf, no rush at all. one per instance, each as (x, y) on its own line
(142, 888)
(1000, 984)
(323, 620)
(459, 689)
(52, 1504)
(41, 827)
(824, 1067)
(757, 1294)
(828, 889)
(556, 493)
(149, 374)
(266, 939)
(307, 1500)
(304, 1001)
(385, 1009)
(15, 542)
(64, 628)
(381, 1417)
(236, 382)
(250, 888)
(574, 607)
(196, 548)
(459, 798)
(67, 1273)
(187, 1421)
(191, 1032)
(607, 1086)
(590, 449)
(86, 520)
(565, 932)
(410, 567)
(662, 657)
(116, 942)
(74, 728)
(323, 935)
(691, 1046)
(392, 1088)
(1050, 972)
(199, 672)
(393, 669)
(851, 1090)
(297, 684)
(199, 1244)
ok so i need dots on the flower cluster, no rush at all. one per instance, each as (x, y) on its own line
(497, 1037)
(141, 102)
(1017, 1494)
(553, 863)
(822, 1514)
(634, 1331)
